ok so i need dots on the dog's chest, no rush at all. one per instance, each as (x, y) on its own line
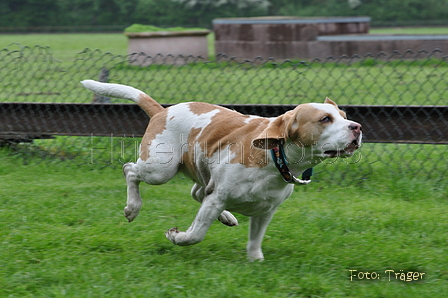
(258, 201)
(250, 191)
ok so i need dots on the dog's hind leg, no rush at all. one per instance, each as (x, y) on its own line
(134, 200)
(144, 172)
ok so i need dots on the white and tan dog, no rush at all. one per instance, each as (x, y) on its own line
(228, 156)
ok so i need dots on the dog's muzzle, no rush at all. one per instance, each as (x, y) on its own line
(351, 147)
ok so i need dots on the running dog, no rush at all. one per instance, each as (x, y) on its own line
(239, 163)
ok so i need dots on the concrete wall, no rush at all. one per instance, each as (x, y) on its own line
(308, 38)
(363, 44)
(166, 47)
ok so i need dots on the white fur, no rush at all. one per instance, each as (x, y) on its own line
(113, 90)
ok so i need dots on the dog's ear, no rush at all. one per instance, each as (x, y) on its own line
(275, 134)
(328, 100)
(341, 112)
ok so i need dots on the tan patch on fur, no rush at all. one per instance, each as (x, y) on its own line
(200, 108)
(275, 133)
(229, 128)
(188, 166)
(309, 128)
(149, 105)
(188, 162)
(156, 125)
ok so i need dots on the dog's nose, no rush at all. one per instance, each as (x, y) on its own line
(355, 127)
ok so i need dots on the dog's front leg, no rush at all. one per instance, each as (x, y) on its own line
(258, 225)
(134, 200)
(208, 212)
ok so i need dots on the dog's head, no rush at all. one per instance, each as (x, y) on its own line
(324, 127)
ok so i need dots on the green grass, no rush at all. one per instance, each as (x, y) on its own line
(357, 81)
(410, 30)
(65, 46)
(53, 75)
(63, 235)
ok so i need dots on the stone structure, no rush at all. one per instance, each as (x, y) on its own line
(167, 46)
(350, 45)
(308, 38)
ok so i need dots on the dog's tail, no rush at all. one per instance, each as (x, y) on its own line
(149, 105)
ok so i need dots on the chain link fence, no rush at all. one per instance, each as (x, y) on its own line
(34, 75)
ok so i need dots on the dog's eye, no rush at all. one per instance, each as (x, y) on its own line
(325, 119)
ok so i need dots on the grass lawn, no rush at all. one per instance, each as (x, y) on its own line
(63, 235)
(66, 46)
(54, 76)
(353, 81)
(361, 81)
(410, 30)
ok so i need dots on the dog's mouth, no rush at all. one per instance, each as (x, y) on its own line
(347, 151)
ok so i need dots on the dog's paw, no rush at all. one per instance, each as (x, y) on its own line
(131, 212)
(255, 259)
(255, 256)
(228, 219)
(171, 234)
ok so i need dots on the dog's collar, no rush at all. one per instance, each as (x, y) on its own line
(279, 158)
